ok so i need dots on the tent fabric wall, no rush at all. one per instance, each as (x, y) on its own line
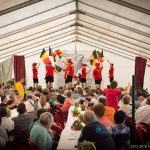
(19, 68)
(6, 68)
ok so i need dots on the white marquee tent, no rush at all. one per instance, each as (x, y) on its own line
(120, 27)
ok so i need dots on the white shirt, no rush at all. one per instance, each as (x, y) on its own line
(142, 115)
(126, 108)
(7, 123)
(94, 100)
(47, 106)
(30, 105)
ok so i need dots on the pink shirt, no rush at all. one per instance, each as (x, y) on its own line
(112, 97)
(67, 103)
(107, 123)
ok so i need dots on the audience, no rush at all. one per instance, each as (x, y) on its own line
(109, 111)
(99, 110)
(23, 120)
(61, 96)
(95, 132)
(38, 102)
(43, 102)
(125, 105)
(3, 135)
(6, 122)
(142, 114)
(68, 102)
(40, 135)
(120, 132)
(75, 94)
(91, 97)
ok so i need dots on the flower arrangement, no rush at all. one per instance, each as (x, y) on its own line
(75, 112)
(77, 125)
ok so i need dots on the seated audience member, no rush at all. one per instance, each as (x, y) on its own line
(3, 101)
(39, 134)
(91, 97)
(120, 132)
(23, 120)
(31, 103)
(113, 94)
(125, 105)
(95, 132)
(53, 102)
(75, 94)
(6, 122)
(43, 102)
(2, 142)
(99, 110)
(39, 112)
(68, 102)
(137, 105)
(142, 100)
(109, 111)
(3, 133)
(60, 96)
(142, 114)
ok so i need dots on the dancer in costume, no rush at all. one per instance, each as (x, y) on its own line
(83, 75)
(69, 73)
(97, 73)
(111, 72)
(49, 75)
(35, 74)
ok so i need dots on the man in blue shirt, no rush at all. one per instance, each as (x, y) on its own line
(95, 132)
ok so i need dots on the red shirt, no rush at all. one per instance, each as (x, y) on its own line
(65, 75)
(83, 73)
(97, 73)
(111, 72)
(35, 72)
(112, 97)
(70, 69)
(50, 71)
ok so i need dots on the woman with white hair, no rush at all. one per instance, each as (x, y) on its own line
(125, 106)
(40, 133)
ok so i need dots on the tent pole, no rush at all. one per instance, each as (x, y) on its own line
(133, 98)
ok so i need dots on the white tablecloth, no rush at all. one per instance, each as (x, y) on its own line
(69, 137)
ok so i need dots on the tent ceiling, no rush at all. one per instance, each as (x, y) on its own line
(121, 27)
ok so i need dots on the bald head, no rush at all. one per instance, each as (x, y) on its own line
(88, 116)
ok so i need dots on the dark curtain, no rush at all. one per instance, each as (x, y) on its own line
(140, 65)
(19, 68)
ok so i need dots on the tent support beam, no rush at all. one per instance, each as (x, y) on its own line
(84, 34)
(112, 32)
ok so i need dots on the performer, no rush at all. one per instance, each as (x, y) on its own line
(35, 74)
(19, 87)
(49, 75)
(97, 73)
(69, 73)
(65, 77)
(111, 71)
(83, 75)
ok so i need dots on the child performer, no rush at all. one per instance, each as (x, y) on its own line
(111, 72)
(83, 75)
(97, 73)
(35, 74)
(69, 73)
(49, 75)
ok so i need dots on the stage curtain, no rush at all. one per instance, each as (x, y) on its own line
(19, 68)
(140, 65)
(6, 68)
